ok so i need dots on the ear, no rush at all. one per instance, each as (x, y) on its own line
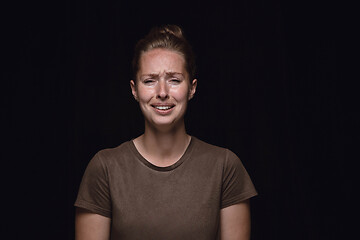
(192, 88)
(133, 89)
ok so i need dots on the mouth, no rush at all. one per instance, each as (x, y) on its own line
(163, 108)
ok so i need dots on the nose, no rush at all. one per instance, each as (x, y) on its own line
(162, 91)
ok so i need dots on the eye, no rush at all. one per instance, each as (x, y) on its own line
(148, 81)
(175, 80)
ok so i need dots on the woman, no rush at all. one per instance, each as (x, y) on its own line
(164, 184)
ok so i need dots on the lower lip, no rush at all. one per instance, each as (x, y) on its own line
(163, 112)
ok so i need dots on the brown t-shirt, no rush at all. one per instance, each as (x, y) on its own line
(181, 201)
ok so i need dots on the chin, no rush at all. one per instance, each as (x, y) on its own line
(164, 124)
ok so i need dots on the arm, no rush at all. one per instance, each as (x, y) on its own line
(235, 221)
(91, 226)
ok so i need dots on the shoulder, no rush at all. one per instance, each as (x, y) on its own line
(211, 151)
(109, 153)
(110, 156)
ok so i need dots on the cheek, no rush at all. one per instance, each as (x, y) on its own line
(180, 94)
(145, 95)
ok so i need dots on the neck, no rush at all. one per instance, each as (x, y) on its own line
(163, 148)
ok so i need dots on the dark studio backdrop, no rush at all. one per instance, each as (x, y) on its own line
(269, 89)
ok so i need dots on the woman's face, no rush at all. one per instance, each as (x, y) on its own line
(162, 87)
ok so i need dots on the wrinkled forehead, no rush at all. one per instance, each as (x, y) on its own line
(162, 62)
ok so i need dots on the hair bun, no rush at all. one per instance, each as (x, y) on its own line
(171, 30)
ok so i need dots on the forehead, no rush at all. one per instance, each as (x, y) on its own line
(159, 61)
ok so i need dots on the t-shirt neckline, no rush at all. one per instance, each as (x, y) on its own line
(182, 159)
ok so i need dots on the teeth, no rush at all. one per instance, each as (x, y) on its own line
(162, 107)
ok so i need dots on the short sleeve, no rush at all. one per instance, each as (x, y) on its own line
(237, 185)
(94, 193)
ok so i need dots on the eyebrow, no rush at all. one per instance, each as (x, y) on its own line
(168, 74)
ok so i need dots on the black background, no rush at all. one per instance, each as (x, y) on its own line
(269, 88)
